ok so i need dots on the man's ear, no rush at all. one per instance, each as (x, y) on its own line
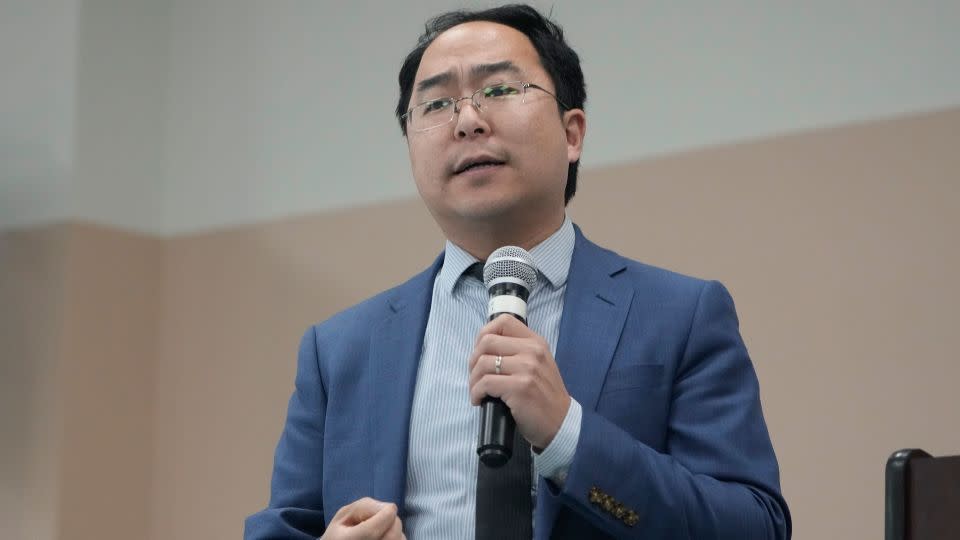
(575, 126)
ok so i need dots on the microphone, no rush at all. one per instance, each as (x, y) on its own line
(509, 275)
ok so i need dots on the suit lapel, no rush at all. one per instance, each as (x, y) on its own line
(595, 310)
(395, 350)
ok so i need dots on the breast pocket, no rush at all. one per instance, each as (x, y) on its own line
(642, 376)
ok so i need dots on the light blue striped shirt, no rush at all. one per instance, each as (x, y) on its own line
(442, 455)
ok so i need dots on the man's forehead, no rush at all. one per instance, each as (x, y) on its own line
(462, 49)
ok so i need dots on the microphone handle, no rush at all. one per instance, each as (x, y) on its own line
(497, 426)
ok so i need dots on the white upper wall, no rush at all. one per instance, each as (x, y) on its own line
(121, 105)
(209, 113)
(37, 72)
(82, 105)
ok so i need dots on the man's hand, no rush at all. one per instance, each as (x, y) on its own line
(365, 519)
(529, 381)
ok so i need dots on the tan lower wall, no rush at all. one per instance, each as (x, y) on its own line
(109, 357)
(838, 246)
(32, 282)
(79, 327)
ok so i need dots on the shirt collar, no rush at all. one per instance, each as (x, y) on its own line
(552, 258)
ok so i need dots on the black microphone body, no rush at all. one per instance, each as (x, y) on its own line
(497, 426)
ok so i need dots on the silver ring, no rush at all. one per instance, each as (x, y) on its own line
(497, 363)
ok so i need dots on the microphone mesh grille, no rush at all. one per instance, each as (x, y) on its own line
(513, 262)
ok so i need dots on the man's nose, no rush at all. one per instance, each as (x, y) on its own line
(470, 119)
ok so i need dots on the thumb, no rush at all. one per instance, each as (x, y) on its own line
(378, 524)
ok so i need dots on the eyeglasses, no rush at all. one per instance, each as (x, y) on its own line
(438, 112)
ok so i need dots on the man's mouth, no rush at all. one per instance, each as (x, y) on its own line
(478, 165)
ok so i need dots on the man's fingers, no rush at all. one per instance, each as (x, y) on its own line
(493, 345)
(505, 325)
(358, 511)
(367, 519)
(486, 364)
(379, 523)
(496, 386)
(396, 531)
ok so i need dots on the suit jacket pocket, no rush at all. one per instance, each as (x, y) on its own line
(635, 376)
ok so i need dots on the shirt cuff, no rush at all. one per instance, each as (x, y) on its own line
(555, 460)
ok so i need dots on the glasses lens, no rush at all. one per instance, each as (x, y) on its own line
(431, 114)
(498, 95)
(437, 112)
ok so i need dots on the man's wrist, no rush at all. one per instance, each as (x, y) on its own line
(554, 461)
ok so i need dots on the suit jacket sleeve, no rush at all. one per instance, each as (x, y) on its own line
(296, 503)
(718, 477)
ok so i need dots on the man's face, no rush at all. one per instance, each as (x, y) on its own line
(532, 142)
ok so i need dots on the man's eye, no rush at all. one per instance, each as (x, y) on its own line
(500, 90)
(435, 106)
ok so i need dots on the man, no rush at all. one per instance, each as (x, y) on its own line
(632, 385)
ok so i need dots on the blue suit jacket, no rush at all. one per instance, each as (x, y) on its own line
(672, 426)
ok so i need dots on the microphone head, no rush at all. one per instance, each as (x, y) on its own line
(510, 264)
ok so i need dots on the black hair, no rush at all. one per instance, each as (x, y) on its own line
(558, 59)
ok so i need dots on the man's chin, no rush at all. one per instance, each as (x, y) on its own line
(486, 211)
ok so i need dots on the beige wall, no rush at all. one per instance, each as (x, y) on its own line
(109, 354)
(178, 355)
(32, 270)
(79, 326)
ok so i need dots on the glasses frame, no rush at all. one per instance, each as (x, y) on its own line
(476, 105)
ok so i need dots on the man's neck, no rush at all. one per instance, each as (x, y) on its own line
(482, 238)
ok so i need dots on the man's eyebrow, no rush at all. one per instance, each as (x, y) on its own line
(436, 80)
(478, 70)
